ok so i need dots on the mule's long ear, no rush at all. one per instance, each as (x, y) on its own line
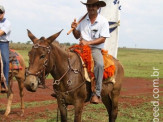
(32, 37)
(53, 37)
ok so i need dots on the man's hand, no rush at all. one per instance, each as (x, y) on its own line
(76, 33)
(83, 42)
(74, 24)
(2, 33)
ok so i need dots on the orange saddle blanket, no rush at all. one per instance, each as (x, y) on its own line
(85, 52)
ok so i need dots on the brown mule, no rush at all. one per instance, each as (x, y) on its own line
(20, 77)
(47, 56)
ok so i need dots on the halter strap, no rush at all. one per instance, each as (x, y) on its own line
(35, 46)
(69, 82)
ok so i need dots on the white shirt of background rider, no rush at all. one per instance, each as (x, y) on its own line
(5, 26)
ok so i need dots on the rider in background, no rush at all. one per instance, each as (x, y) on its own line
(5, 30)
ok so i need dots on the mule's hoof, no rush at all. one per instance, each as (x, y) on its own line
(3, 90)
(6, 114)
(22, 114)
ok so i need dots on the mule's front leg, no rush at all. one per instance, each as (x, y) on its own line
(63, 109)
(21, 86)
(9, 102)
(9, 97)
(79, 104)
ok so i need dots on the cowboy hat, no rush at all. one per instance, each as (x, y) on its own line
(100, 3)
(2, 8)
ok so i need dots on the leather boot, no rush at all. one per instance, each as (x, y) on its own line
(95, 99)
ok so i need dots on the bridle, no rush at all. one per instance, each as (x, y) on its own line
(56, 82)
(42, 71)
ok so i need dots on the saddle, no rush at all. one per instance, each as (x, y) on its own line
(13, 65)
(84, 52)
(14, 60)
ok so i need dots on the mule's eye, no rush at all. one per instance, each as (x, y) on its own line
(42, 56)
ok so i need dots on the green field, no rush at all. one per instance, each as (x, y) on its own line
(140, 62)
(91, 113)
(137, 62)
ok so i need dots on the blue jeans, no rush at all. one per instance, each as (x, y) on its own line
(4, 47)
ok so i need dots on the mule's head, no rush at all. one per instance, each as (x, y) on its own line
(38, 60)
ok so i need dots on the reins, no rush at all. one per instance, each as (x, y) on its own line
(69, 82)
(56, 82)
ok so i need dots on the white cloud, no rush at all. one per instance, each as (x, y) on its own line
(141, 22)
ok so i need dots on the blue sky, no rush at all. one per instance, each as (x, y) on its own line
(141, 20)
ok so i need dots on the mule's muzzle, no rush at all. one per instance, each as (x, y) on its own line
(30, 87)
(31, 83)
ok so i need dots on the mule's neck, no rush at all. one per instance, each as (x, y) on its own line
(60, 59)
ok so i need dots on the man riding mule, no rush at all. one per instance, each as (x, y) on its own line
(5, 30)
(47, 56)
(7, 61)
(17, 70)
(92, 31)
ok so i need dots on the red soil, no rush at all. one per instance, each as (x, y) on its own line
(134, 91)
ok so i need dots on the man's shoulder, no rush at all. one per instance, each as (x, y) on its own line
(5, 26)
(6, 22)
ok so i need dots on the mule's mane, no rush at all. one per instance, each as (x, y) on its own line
(63, 47)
